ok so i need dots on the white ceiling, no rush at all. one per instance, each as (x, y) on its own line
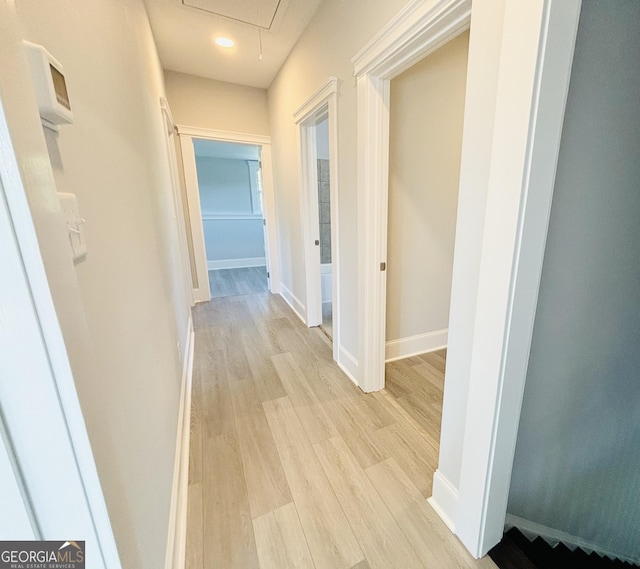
(228, 150)
(184, 35)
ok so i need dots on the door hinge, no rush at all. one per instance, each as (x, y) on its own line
(268, 275)
(264, 222)
(383, 266)
(317, 242)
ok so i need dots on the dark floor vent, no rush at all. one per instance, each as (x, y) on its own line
(515, 551)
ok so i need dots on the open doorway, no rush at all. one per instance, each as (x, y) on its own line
(231, 209)
(324, 224)
(231, 221)
(426, 118)
(319, 201)
(513, 114)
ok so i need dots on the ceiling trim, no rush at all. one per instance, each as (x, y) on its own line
(223, 135)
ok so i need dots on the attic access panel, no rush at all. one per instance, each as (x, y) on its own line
(260, 13)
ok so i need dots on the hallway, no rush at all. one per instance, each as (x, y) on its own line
(291, 465)
(239, 281)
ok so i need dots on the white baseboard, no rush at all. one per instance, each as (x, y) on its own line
(294, 302)
(414, 345)
(444, 499)
(177, 534)
(553, 536)
(236, 263)
(348, 364)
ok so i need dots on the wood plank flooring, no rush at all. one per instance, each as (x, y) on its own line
(234, 282)
(293, 466)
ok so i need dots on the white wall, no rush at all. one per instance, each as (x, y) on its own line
(577, 456)
(121, 310)
(425, 143)
(206, 103)
(325, 49)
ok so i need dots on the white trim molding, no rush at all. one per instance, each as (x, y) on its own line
(236, 263)
(223, 135)
(348, 363)
(418, 29)
(444, 499)
(294, 302)
(553, 537)
(175, 557)
(168, 116)
(415, 345)
(317, 101)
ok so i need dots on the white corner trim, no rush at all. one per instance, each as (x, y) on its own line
(317, 100)
(168, 116)
(236, 263)
(294, 302)
(348, 364)
(414, 345)
(553, 536)
(241, 137)
(177, 535)
(418, 29)
(444, 499)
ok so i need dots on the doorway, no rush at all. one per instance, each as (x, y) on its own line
(513, 117)
(426, 118)
(229, 192)
(317, 122)
(324, 224)
(231, 209)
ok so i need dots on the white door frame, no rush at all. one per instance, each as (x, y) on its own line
(323, 103)
(42, 423)
(201, 292)
(536, 53)
(421, 28)
(178, 210)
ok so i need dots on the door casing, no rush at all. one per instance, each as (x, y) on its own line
(201, 292)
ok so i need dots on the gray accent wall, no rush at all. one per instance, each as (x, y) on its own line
(576, 467)
(225, 190)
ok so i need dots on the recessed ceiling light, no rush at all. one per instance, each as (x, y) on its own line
(225, 42)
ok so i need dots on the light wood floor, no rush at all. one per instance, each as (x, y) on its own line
(291, 465)
(327, 319)
(234, 282)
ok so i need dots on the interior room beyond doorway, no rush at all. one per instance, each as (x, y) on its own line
(232, 216)
(425, 145)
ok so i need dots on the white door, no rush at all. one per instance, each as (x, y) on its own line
(15, 523)
(48, 483)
